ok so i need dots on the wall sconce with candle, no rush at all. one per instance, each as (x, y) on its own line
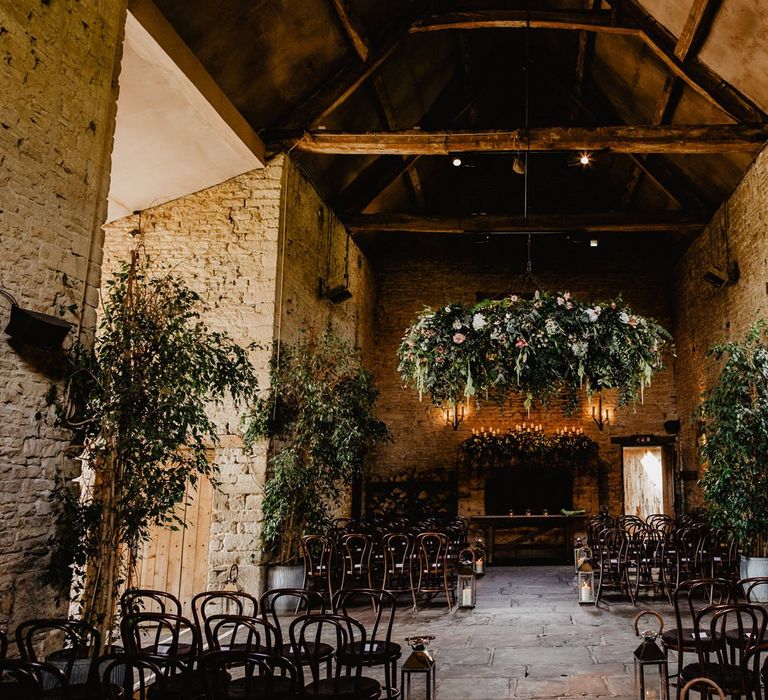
(601, 418)
(454, 414)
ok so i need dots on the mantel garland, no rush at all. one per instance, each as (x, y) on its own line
(541, 347)
(490, 447)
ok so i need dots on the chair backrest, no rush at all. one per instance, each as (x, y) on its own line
(317, 552)
(220, 667)
(432, 551)
(693, 595)
(753, 589)
(272, 602)
(356, 549)
(161, 636)
(29, 680)
(744, 621)
(210, 603)
(147, 600)
(657, 520)
(242, 633)
(79, 641)
(398, 551)
(123, 676)
(383, 605)
(308, 631)
(612, 547)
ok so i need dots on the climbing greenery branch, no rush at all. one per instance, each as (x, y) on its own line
(138, 405)
(318, 415)
(734, 452)
(551, 344)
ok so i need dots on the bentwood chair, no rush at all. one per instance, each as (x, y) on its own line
(379, 649)
(432, 554)
(307, 631)
(688, 599)
(398, 564)
(318, 553)
(249, 675)
(612, 552)
(210, 603)
(356, 551)
(30, 680)
(735, 677)
(124, 676)
(75, 658)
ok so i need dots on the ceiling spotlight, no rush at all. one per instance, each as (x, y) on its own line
(456, 162)
(593, 243)
(585, 158)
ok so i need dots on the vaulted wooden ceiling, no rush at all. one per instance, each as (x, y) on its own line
(375, 98)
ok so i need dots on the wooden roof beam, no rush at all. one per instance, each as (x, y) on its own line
(692, 138)
(625, 222)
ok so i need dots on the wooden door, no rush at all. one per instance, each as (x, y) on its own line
(645, 481)
(176, 560)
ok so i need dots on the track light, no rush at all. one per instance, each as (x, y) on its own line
(456, 162)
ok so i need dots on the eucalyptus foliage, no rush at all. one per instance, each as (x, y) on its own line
(318, 413)
(551, 344)
(138, 403)
(735, 451)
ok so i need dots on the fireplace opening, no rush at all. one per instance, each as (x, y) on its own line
(533, 487)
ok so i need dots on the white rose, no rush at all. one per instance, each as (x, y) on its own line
(456, 324)
(623, 317)
(592, 315)
(478, 321)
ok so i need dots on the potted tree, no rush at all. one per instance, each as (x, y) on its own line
(735, 449)
(137, 403)
(318, 416)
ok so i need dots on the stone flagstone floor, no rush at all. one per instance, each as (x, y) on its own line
(529, 638)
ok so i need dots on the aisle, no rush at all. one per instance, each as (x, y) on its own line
(529, 638)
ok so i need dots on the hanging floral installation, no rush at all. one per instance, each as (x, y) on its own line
(550, 345)
(489, 447)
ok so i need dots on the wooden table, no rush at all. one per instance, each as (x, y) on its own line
(491, 524)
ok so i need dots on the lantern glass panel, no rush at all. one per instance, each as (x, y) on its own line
(467, 590)
(651, 680)
(586, 586)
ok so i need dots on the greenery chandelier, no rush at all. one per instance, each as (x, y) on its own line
(550, 345)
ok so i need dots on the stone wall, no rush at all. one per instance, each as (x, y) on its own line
(254, 248)
(706, 315)
(57, 110)
(422, 439)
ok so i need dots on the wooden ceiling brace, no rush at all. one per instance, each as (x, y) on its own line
(677, 139)
(627, 222)
(356, 37)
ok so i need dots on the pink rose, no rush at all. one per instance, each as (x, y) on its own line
(632, 321)
(439, 348)
(521, 343)
(459, 338)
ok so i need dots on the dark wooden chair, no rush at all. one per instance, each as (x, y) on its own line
(249, 675)
(124, 676)
(611, 559)
(356, 550)
(80, 645)
(311, 602)
(688, 599)
(433, 574)
(379, 649)
(30, 680)
(147, 600)
(735, 677)
(318, 554)
(398, 550)
(306, 632)
(210, 603)
(752, 588)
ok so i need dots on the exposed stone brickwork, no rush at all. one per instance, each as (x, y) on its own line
(423, 440)
(226, 242)
(706, 315)
(57, 107)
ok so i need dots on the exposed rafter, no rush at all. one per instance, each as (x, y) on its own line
(542, 223)
(155, 23)
(699, 138)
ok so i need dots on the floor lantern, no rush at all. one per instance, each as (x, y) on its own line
(651, 669)
(578, 545)
(420, 662)
(466, 581)
(585, 576)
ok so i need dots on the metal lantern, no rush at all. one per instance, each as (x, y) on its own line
(585, 576)
(420, 662)
(578, 545)
(479, 550)
(466, 593)
(651, 669)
